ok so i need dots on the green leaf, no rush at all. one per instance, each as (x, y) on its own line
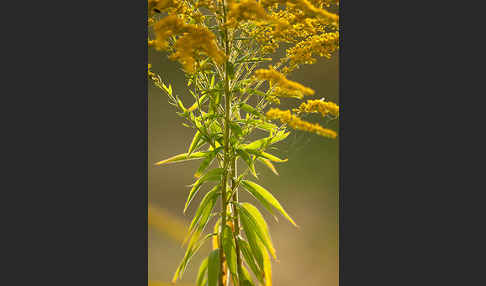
(230, 252)
(195, 105)
(191, 250)
(213, 268)
(248, 160)
(213, 175)
(269, 164)
(253, 222)
(246, 279)
(272, 157)
(265, 198)
(194, 143)
(181, 106)
(267, 268)
(235, 129)
(201, 274)
(211, 85)
(183, 157)
(207, 161)
(250, 259)
(279, 137)
(250, 109)
(264, 125)
(204, 210)
(266, 155)
(259, 144)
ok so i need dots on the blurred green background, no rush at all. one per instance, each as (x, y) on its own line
(307, 186)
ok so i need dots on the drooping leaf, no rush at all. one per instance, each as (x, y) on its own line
(246, 279)
(267, 268)
(194, 143)
(250, 109)
(263, 142)
(265, 198)
(279, 137)
(202, 99)
(213, 268)
(191, 250)
(230, 252)
(264, 125)
(248, 160)
(269, 164)
(207, 161)
(204, 210)
(235, 129)
(183, 157)
(213, 175)
(253, 222)
(272, 157)
(216, 230)
(250, 259)
(201, 274)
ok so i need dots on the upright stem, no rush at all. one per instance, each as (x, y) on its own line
(236, 221)
(227, 110)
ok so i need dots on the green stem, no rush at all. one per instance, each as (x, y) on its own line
(236, 221)
(224, 179)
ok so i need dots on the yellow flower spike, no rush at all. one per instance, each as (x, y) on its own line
(284, 87)
(321, 106)
(245, 10)
(296, 123)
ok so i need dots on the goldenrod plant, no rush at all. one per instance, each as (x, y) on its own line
(229, 51)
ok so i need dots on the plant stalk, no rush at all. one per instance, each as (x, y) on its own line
(236, 219)
(224, 180)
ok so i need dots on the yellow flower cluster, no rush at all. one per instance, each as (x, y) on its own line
(312, 10)
(304, 5)
(194, 39)
(302, 53)
(198, 39)
(296, 123)
(245, 10)
(284, 87)
(321, 106)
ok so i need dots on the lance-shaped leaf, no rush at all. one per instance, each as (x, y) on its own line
(213, 175)
(265, 198)
(216, 230)
(267, 268)
(204, 211)
(261, 143)
(250, 109)
(183, 157)
(194, 142)
(230, 252)
(254, 223)
(207, 161)
(269, 164)
(266, 155)
(213, 268)
(191, 250)
(246, 279)
(264, 125)
(201, 274)
(250, 259)
(202, 99)
(248, 160)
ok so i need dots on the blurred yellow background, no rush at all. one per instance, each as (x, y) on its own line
(307, 186)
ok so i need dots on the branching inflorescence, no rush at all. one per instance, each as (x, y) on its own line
(220, 44)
